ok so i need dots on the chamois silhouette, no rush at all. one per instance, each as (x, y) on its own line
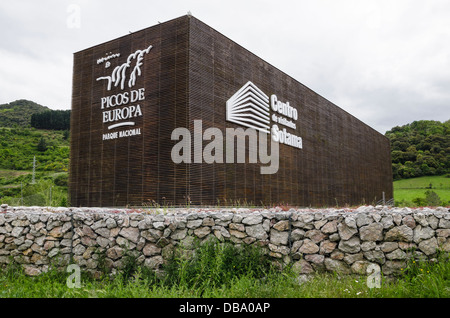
(119, 76)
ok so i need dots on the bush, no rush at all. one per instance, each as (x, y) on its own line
(61, 180)
(432, 198)
(63, 202)
(419, 201)
(42, 145)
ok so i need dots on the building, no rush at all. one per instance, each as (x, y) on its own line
(152, 110)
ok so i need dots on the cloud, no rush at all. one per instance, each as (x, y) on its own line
(46, 82)
(385, 62)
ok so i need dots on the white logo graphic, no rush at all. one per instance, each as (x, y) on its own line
(120, 109)
(118, 75)
(249, 107)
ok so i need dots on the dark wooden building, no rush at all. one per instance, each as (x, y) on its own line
(131, 93)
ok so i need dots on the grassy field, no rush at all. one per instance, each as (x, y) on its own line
(406, 190)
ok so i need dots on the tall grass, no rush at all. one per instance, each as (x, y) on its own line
(222, 270)
(212, 265)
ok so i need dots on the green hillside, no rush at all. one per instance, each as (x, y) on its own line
(18, 147)
(421, 148)
(19, 112)
(20, 144)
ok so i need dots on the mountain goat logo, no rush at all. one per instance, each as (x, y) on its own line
(119, 76)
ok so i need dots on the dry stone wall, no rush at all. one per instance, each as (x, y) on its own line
(340, 240)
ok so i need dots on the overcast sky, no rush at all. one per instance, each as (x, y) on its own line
(385, 62)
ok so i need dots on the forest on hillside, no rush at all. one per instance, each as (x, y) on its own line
(18, 113)
(51, 119)
(421, 148)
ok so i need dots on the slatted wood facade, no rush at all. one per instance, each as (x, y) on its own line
(189, 74)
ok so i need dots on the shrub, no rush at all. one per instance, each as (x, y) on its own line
(61, 180)
(42, 145)
(432, 198)
(419, 201)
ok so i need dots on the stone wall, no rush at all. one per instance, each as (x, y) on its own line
(341, 240)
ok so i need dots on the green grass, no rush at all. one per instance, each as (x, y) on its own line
(437, 182)
(225, 271)
(406, 190)
(50, 188)
(410, 194)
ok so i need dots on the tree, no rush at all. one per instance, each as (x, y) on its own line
(66, 134)
(42, 145)
(432, 198)
(420, 148)
(52, 119)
